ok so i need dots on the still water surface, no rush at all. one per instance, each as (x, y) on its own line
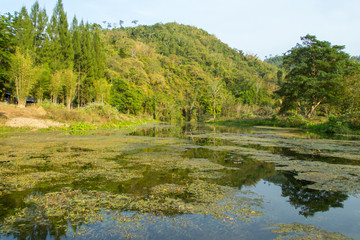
(190, 181)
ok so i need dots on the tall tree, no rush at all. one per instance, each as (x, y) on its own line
(55, 85)
(39, 21)
(87, 63)
(52, 53)
(98, 53)
(24, 30)
(7, 42)
(216, 91)
(41, 88)
(102, 90)
(61, 37)
(76, 42)
(349, 101)
(24, 74)
(87, 53)
(69, 82)
(316, 70)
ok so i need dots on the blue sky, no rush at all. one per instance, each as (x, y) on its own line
(258, 27)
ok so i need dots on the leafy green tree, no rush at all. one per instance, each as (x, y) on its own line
(316, 70)
(98, 53)
(102, 90)
(64, 35)
(24, 75)
(87, 64)
(52, 51)
(55, 85)
(41, 88)
(69, 81)
(76, 43)
(216, 92)
(39, 21)
(349, 101)
(126, 98)
(24, 30)
(61, 53)
(7, 42)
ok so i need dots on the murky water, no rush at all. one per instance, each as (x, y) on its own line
(189, 181)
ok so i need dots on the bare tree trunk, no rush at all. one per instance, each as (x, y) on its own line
(308, 115)
(214, 108)
(79, 89)
(68, 103)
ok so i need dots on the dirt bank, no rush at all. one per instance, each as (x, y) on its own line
(32, 116)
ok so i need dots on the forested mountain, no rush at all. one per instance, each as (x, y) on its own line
(185, 70)
(169, 71)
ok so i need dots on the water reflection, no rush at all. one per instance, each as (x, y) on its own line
(308, 201)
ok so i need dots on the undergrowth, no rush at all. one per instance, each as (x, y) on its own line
(343, 124)
(93, 116)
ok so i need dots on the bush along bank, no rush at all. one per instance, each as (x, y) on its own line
(348, 124)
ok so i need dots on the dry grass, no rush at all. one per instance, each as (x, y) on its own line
(46, 115)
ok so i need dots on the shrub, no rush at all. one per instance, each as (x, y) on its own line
(352, 120)
(334, 125)
(343, 124)
(294, 120)
(103, 110)
(81, 126)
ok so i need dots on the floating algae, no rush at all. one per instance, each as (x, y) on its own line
(324, 175)
(297, 231)
(76, 207)
(57, 209)
(152, 184)
(112, 165)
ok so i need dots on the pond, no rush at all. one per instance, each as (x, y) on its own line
(189, 181)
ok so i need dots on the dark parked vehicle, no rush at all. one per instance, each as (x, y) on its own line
(31, 101)
(10, 98)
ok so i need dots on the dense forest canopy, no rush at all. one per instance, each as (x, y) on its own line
(168, 71)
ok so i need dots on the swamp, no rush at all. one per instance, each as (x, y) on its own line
(181, 181)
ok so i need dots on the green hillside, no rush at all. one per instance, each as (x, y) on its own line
(182, 68)
(168, 71)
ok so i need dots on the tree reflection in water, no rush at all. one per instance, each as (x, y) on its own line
(309, 201)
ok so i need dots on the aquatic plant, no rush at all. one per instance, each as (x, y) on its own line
(67, 184)
(297, 231)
